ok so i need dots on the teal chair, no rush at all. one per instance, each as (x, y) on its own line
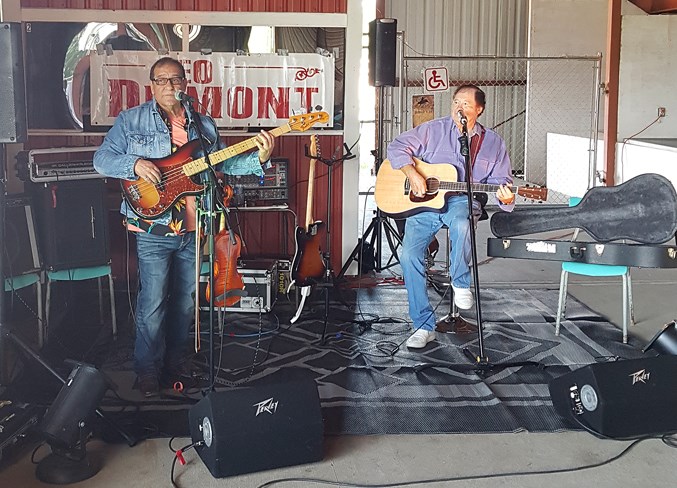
(586, 269)
(14, 283)
(80, 274)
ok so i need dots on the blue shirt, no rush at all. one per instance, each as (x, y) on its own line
(436, 142)
(141, 132)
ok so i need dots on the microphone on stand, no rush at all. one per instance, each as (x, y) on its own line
(461, 116)
(183, 97)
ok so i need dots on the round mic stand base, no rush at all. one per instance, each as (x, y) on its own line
(455, 324)
(63, 467)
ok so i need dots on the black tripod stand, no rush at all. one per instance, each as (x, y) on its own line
(373, 233)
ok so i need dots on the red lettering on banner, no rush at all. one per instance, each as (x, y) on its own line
(202, 71)
(279, 104)
(187, 67)
(240, 102)
(306, 96)
(124, 94)
(210, 101)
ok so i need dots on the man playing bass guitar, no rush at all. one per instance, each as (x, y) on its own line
(165, 239)
(437, 142)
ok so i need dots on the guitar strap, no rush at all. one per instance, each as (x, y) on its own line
(476, 144)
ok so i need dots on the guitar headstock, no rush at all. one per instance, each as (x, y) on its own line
(533, 192)
(306, 121)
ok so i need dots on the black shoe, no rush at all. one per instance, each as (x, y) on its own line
(182, 372)
(148, 385)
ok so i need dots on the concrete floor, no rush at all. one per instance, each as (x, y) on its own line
(374, 460)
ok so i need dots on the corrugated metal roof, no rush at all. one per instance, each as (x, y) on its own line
(462, 27)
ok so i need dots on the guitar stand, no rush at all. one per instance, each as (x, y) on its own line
(326, 285)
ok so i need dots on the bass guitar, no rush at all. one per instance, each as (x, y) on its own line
(149, 200)
(308, 265)
(394, 197)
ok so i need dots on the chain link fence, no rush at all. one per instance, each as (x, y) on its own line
(546, 110)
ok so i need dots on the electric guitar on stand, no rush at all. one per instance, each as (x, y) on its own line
(308, 266)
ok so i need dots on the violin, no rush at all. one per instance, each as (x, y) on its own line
(228, 283)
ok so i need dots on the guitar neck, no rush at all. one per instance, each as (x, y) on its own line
(309, 201)
(462, 186)
(200, 164)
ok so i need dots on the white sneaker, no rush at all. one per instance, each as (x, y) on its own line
(463, 298)
(420, 338)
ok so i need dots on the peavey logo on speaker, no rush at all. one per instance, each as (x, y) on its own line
(267, 406)
(640, 376)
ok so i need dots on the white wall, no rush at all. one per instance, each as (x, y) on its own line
(648, 71)
(647, 65)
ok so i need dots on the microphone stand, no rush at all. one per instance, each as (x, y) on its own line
(481, 357)
(213, 197)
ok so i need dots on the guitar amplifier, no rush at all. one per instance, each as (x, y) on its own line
(253, 190)
(260, 279)
(57, 164)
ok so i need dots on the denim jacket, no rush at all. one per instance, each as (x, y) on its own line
(140, 132)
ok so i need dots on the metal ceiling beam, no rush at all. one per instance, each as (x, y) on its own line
(657, 6)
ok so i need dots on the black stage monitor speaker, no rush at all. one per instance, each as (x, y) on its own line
(12, 86)
(72, 222)
(268, 425)
(621, 399)
(382, 52)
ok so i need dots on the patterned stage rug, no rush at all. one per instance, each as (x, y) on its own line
(369, 383)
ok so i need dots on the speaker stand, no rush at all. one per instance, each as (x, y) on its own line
(379, 224)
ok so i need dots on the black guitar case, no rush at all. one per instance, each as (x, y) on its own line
(643, 209)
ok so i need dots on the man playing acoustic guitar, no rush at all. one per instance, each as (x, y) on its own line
(437, 142)
(165, 243)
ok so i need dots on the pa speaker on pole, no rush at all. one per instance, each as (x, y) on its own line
(268, 425)
(621, 399)
(382, 52)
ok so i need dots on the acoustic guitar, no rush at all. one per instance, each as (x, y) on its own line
(149, 200)
(394, 197)
(308, 265)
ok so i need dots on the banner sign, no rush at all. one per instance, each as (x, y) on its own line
(236, 90)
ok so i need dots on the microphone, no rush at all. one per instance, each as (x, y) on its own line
(461, 117)
(183, 97)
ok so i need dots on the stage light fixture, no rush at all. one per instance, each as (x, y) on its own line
(66, 427)
(665, 340)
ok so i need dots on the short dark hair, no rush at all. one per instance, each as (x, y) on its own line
(480, 96)
(165, 61)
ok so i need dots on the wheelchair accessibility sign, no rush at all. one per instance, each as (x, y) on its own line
(436, 79)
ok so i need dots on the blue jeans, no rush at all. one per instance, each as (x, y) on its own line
(419, 230)
(165, 304)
